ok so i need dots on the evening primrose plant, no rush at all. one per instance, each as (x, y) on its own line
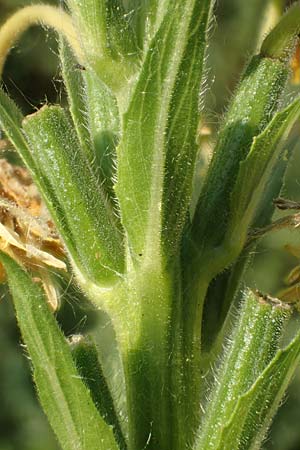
(117, 169)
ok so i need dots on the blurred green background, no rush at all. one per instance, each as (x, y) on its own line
(32, 77)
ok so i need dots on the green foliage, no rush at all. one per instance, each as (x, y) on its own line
(63, 395)
(117, 170)
(89, 227)
(254, 345)
(249, 113)
(85, 354)
(154, 189)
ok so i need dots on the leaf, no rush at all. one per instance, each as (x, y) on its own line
(10, 120)
(165, 94)
(256, 170)
(74, 83)
(255, 409)
(230, 55)
(226, 285)
(95, 115)
(87, 362)
(252, 345)
(104, 128)
(251, 184)
(249, 113)
(97, 240)
(104, 27)
(182, 145)
(266, 207)
(65, 399)
(280, 42)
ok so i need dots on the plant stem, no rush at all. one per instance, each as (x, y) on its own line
(143, 337)
(46, 15)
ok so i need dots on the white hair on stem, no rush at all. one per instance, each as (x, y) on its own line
(46, 15)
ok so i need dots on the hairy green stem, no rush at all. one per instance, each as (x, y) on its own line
(143, 339)
(46, 15)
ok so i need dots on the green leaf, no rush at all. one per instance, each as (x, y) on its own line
(64, 397)
(280, 42)
(255, 410)
(159, 132)
(104, 127)
(258, 183)
(97, 240)
(87, 362)
(249, 113)
(74, 84)
(227, 285)
(253, 344)
(95, 115)
(10, 120)
(255, 173)
(104, 27)
(227, 55)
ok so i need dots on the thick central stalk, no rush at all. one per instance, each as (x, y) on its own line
(148, 393)
(144, 342)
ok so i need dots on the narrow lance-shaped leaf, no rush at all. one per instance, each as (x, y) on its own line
(248, 115)
(282, 37)
(254, 189)
(181, 136)
(99, 252)
(104, 128)
(255, 409)
(104, 27)
(254, 343)
(252, 180)
(64, 397)
(11, 120)
(122, 39)
(74, 84)
(255, 173)
(228, 284)
(250, 111)
(85, 354)
(95, 115)
(227, 54)
(165, 93)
